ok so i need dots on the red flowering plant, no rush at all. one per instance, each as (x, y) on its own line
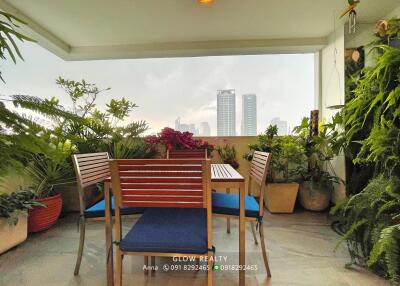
(176, 140)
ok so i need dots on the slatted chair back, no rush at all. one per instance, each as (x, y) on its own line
(174, 183)
(187, 154)
(258, 173)
(90, 169)
(160, 183)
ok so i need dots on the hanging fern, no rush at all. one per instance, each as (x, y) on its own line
(388, 247)
(369, 224)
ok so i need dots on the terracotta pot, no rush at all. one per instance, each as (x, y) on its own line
(41, 218)
(281, 197)
(12, 235)
(314, 196)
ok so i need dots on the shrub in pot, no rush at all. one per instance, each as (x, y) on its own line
(228, 155)
(282, 186)
(171, 139)
(47, 173)
(317, 178)
(13, 217)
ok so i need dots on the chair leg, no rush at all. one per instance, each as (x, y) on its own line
(228, 220)
(81, 244)
(210, 270)
(253, 230)
(146, 264)
(153, 263)
(118, 268)
(263, 248)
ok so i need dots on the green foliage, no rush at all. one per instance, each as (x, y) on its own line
(8, 34)
(388, 246)
(374, 113)
(15, 203)
(369, 224)
(228, 155)
(287, 155)
(43, 150)
(369, 220)
(319, 150)
(131, 148)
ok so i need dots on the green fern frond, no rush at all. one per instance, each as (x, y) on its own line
(388, 245)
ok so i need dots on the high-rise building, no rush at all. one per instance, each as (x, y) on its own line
(226, 112)
(178, 124)
(249, 115)
(205, 129)
(182, 127)
(281, 124)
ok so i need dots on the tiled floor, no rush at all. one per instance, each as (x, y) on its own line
(300, 247)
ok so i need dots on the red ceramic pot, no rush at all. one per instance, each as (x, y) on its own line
(41, 218)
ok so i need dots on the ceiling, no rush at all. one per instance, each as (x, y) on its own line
(101, 29)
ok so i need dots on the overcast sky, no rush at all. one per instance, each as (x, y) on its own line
(166, 89)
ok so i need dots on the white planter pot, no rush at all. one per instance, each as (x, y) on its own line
(12, 235)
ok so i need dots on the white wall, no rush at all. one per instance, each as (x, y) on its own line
(394, 13)
(333, 91)
(332, 73)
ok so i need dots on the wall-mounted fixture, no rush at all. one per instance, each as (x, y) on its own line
(205, 1)
(352, 15)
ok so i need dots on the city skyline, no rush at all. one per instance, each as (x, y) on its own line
(186, 127)
(205, 129)
(166, 88)
(282, 126)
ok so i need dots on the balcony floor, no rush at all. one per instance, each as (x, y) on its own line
(300, 247)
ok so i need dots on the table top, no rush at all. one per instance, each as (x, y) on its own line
(225, 172)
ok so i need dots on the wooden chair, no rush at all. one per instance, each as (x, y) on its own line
(177, 221)
(187, 154)
(90, 169)
(227, 205)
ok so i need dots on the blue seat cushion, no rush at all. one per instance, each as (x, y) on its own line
(168, 230)
(98, 210)
(229, 204)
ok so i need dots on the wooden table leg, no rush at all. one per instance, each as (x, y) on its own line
(228, 220)
(242, 235)
(109, 247)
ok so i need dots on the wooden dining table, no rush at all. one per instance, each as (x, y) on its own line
(223, 176)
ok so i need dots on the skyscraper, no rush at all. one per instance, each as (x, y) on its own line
(226, 112)
(205, 129)
(281, 124)
(249, 115)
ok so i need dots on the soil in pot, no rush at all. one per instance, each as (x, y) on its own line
(314, 196)
(41, 218)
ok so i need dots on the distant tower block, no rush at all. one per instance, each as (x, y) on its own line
(226, 112)
(249, 115)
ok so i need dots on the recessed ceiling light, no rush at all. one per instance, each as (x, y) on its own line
(205, 1)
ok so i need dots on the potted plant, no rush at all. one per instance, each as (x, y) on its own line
(282, 186)
(228, 155)
(317, 182)
(388, 32)
(13, 217)
(47, 172)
